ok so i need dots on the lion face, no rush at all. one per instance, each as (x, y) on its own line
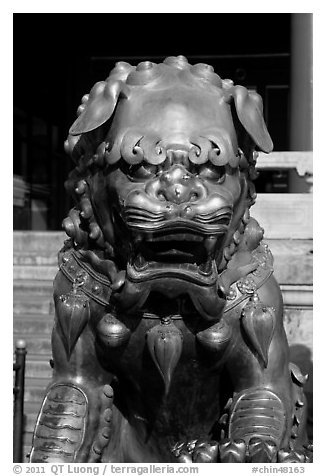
(169, 223)
(173, 217)
(171, 193)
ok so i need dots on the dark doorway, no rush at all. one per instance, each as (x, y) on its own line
(58, 57)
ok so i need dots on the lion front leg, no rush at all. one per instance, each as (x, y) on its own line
(75, 420)
(267, 411)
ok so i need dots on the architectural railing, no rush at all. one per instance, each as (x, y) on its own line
(19, 391)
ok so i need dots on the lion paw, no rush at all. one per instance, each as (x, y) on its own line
(237, 451)
(196, 451)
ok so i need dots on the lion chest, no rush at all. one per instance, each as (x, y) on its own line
(165, 373)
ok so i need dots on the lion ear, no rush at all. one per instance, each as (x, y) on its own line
(249, 107)
(99, 107)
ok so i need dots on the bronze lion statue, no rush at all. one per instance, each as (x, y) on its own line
(168, 342)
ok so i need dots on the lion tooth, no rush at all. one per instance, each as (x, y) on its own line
(206, 268)
(210, 245)
(140, 261)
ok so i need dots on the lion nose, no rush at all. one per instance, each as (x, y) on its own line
(177, 185)
(177, 194)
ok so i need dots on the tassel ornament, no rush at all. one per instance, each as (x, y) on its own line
(164, 342)
(73, 314)
(259, 324)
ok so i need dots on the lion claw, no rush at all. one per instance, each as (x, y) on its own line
(262, 451)
(232, 451)
(237, 451)
(205, 452)
(196, 451)
(308, 450)
(290, 456)
(184, 457)
(177, 448)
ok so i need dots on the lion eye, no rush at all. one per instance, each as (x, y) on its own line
(212, 172)
(142, 171)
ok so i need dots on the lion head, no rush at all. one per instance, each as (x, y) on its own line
(165, 156)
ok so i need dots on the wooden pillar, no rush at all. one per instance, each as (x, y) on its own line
(301, 92)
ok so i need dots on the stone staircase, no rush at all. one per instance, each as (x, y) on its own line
(35, 266)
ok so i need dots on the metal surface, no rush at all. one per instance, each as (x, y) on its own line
(19, 369)
(169, 323)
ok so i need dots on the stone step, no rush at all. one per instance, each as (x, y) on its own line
(33, 286)
(35, 258)
(33, 324)
(38, 368)
(298, 325)
(293, 261)
(31, 411)
(42, 273)
(35, 389)
(38, 241)
(24, 303)
(283, 215)
(297, 296)
(36, 344)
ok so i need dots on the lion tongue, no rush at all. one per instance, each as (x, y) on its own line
(210, 247)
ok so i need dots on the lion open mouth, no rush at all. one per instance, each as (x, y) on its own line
(174, 252)
(179, 253)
